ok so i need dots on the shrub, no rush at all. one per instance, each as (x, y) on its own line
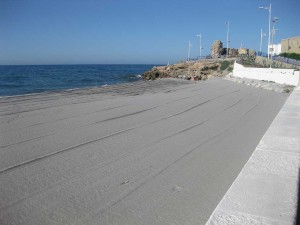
(291, 55)
(207, 68)
(224, 65)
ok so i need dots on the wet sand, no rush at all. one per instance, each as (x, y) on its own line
(159, 152)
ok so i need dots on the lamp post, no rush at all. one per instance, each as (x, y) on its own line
(269, 38)
(261, 37)
(189, 51)
(273, 33)
(227, 38)
(200, 50)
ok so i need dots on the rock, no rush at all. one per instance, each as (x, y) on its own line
(154, 73)
(243, 51)
(252, 53)
(200, 70)
(233, 52)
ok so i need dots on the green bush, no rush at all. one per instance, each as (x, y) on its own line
(224, 65)
(291, 55)
(213, 67)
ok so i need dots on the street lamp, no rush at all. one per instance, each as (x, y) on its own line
(261, 37)
(200, 50)
(189, 51)
(273, 33)
(227, 38)
(270, 12)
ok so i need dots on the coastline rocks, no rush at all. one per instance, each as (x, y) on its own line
(197, 70)
(281, 88)
(155, 73)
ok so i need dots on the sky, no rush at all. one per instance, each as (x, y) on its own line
(133, 31)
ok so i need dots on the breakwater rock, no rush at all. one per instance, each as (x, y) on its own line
(197, 70)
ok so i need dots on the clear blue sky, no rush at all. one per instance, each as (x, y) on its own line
(132, 31)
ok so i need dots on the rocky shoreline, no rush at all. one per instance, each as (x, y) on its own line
(220, 64)
(192, 70)
(266, 85)
(206, 69)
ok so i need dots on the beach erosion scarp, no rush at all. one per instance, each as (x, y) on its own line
(150, 152)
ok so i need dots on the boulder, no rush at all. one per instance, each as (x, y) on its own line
(252, 53)
(243, 51)
(233, 52)
(155, 73)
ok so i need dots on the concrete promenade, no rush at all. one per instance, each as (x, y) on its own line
(265, 192)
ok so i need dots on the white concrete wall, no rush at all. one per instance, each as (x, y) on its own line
(281, 76)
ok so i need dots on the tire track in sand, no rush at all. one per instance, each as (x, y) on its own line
(127, 154)
(31, 161)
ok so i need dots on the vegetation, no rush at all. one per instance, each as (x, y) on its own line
(224, 65)
(249, 61)
(227, 65)
(291, 55)
(207, 68)
(253, 64)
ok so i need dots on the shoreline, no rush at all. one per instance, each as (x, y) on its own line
(39, 79)
(108, 86)
(66, 90)
(248, 82)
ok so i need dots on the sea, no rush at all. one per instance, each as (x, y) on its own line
(28, 79)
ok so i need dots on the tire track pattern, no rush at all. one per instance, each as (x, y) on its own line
(95, 192)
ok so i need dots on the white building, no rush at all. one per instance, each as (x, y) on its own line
(275, 49)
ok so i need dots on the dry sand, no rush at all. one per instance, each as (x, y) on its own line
(159, 152)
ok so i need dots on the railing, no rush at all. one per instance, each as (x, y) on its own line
(287, 60)
(207, 57)
(281, 59)
(262, 54)
(199, 58)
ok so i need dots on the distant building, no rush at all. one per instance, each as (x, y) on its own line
(290, 45)
(275, 49)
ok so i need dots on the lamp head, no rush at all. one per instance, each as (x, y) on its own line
(261, 7)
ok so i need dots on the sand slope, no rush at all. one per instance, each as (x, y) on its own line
(160, 152)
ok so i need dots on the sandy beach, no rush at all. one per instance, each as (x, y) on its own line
(156, 152)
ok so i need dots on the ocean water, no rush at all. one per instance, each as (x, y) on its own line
(18, 80)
